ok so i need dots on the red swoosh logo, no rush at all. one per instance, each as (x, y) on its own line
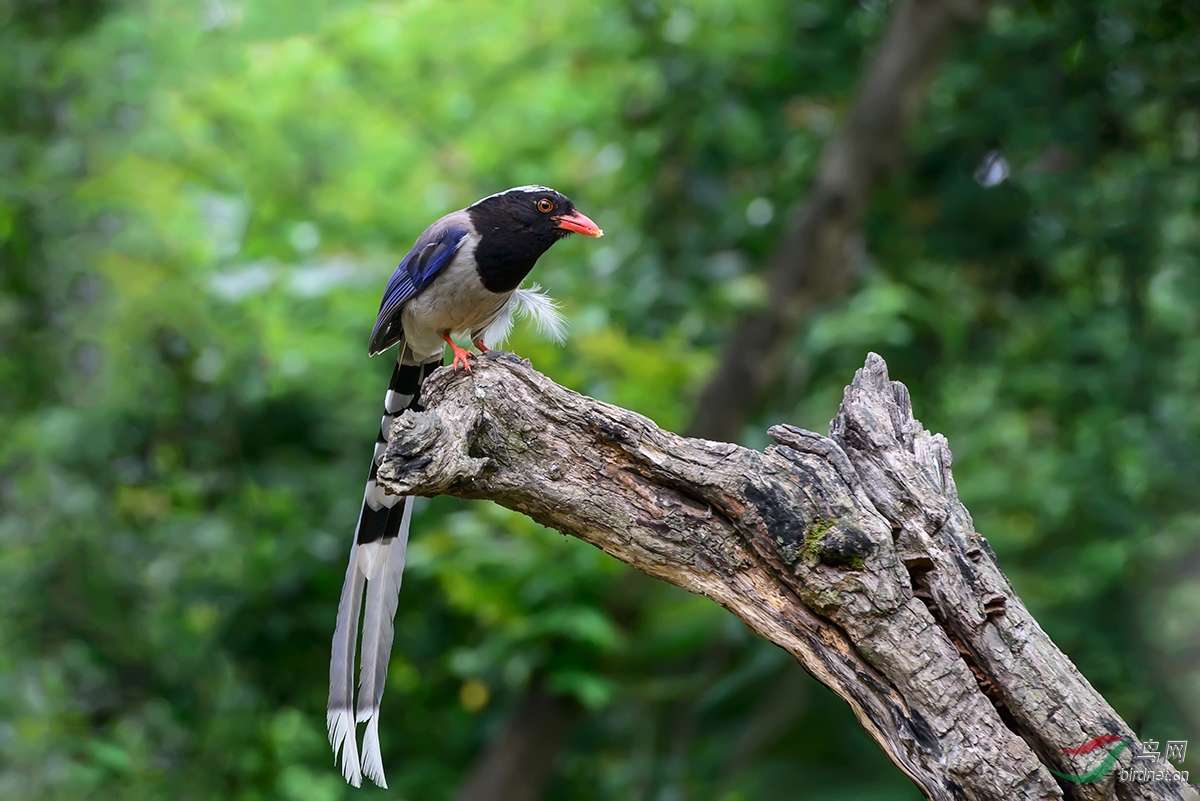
(1092, 745)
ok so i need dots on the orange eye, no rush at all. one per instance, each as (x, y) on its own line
(545, 206)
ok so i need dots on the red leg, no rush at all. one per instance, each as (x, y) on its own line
(460, 356)
(479, 344)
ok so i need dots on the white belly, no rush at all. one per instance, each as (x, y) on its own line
(456, 301)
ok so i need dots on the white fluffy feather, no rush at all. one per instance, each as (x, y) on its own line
(534, 304)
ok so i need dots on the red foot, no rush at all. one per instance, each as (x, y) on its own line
(461, 356)
(482, 347)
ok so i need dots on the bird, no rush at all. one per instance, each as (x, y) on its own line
(463, 275)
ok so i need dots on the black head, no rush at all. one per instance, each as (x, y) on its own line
(516, 227)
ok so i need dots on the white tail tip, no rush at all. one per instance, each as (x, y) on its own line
(372, 757)
(342, 735)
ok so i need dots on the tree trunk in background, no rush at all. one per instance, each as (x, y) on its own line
(519, 760)
(851, 552)
(818, 257)
(815, 263)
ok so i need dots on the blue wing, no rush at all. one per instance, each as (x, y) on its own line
(430, 254)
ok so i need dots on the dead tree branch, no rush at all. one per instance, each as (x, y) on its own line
(814, 263)
(852, 552)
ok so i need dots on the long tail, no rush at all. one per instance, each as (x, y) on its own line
(376, 561)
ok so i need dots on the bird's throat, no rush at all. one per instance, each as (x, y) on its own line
(503, 258)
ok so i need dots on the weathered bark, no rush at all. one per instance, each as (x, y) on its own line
(818, 257)
(852, 552)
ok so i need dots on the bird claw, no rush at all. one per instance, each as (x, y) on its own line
(462, 357)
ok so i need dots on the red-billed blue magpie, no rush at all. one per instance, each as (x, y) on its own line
(462, 276)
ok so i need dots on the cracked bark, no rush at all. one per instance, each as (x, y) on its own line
(851, 552)
(816, 260)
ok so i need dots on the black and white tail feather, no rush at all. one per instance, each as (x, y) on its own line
(377, 556)
(376, 564)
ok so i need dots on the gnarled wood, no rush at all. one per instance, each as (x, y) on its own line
(851, 552)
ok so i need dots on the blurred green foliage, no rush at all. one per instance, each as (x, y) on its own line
(200, 203)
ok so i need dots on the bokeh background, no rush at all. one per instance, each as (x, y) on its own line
(200, 203)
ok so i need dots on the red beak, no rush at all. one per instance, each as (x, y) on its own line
(578, 223)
